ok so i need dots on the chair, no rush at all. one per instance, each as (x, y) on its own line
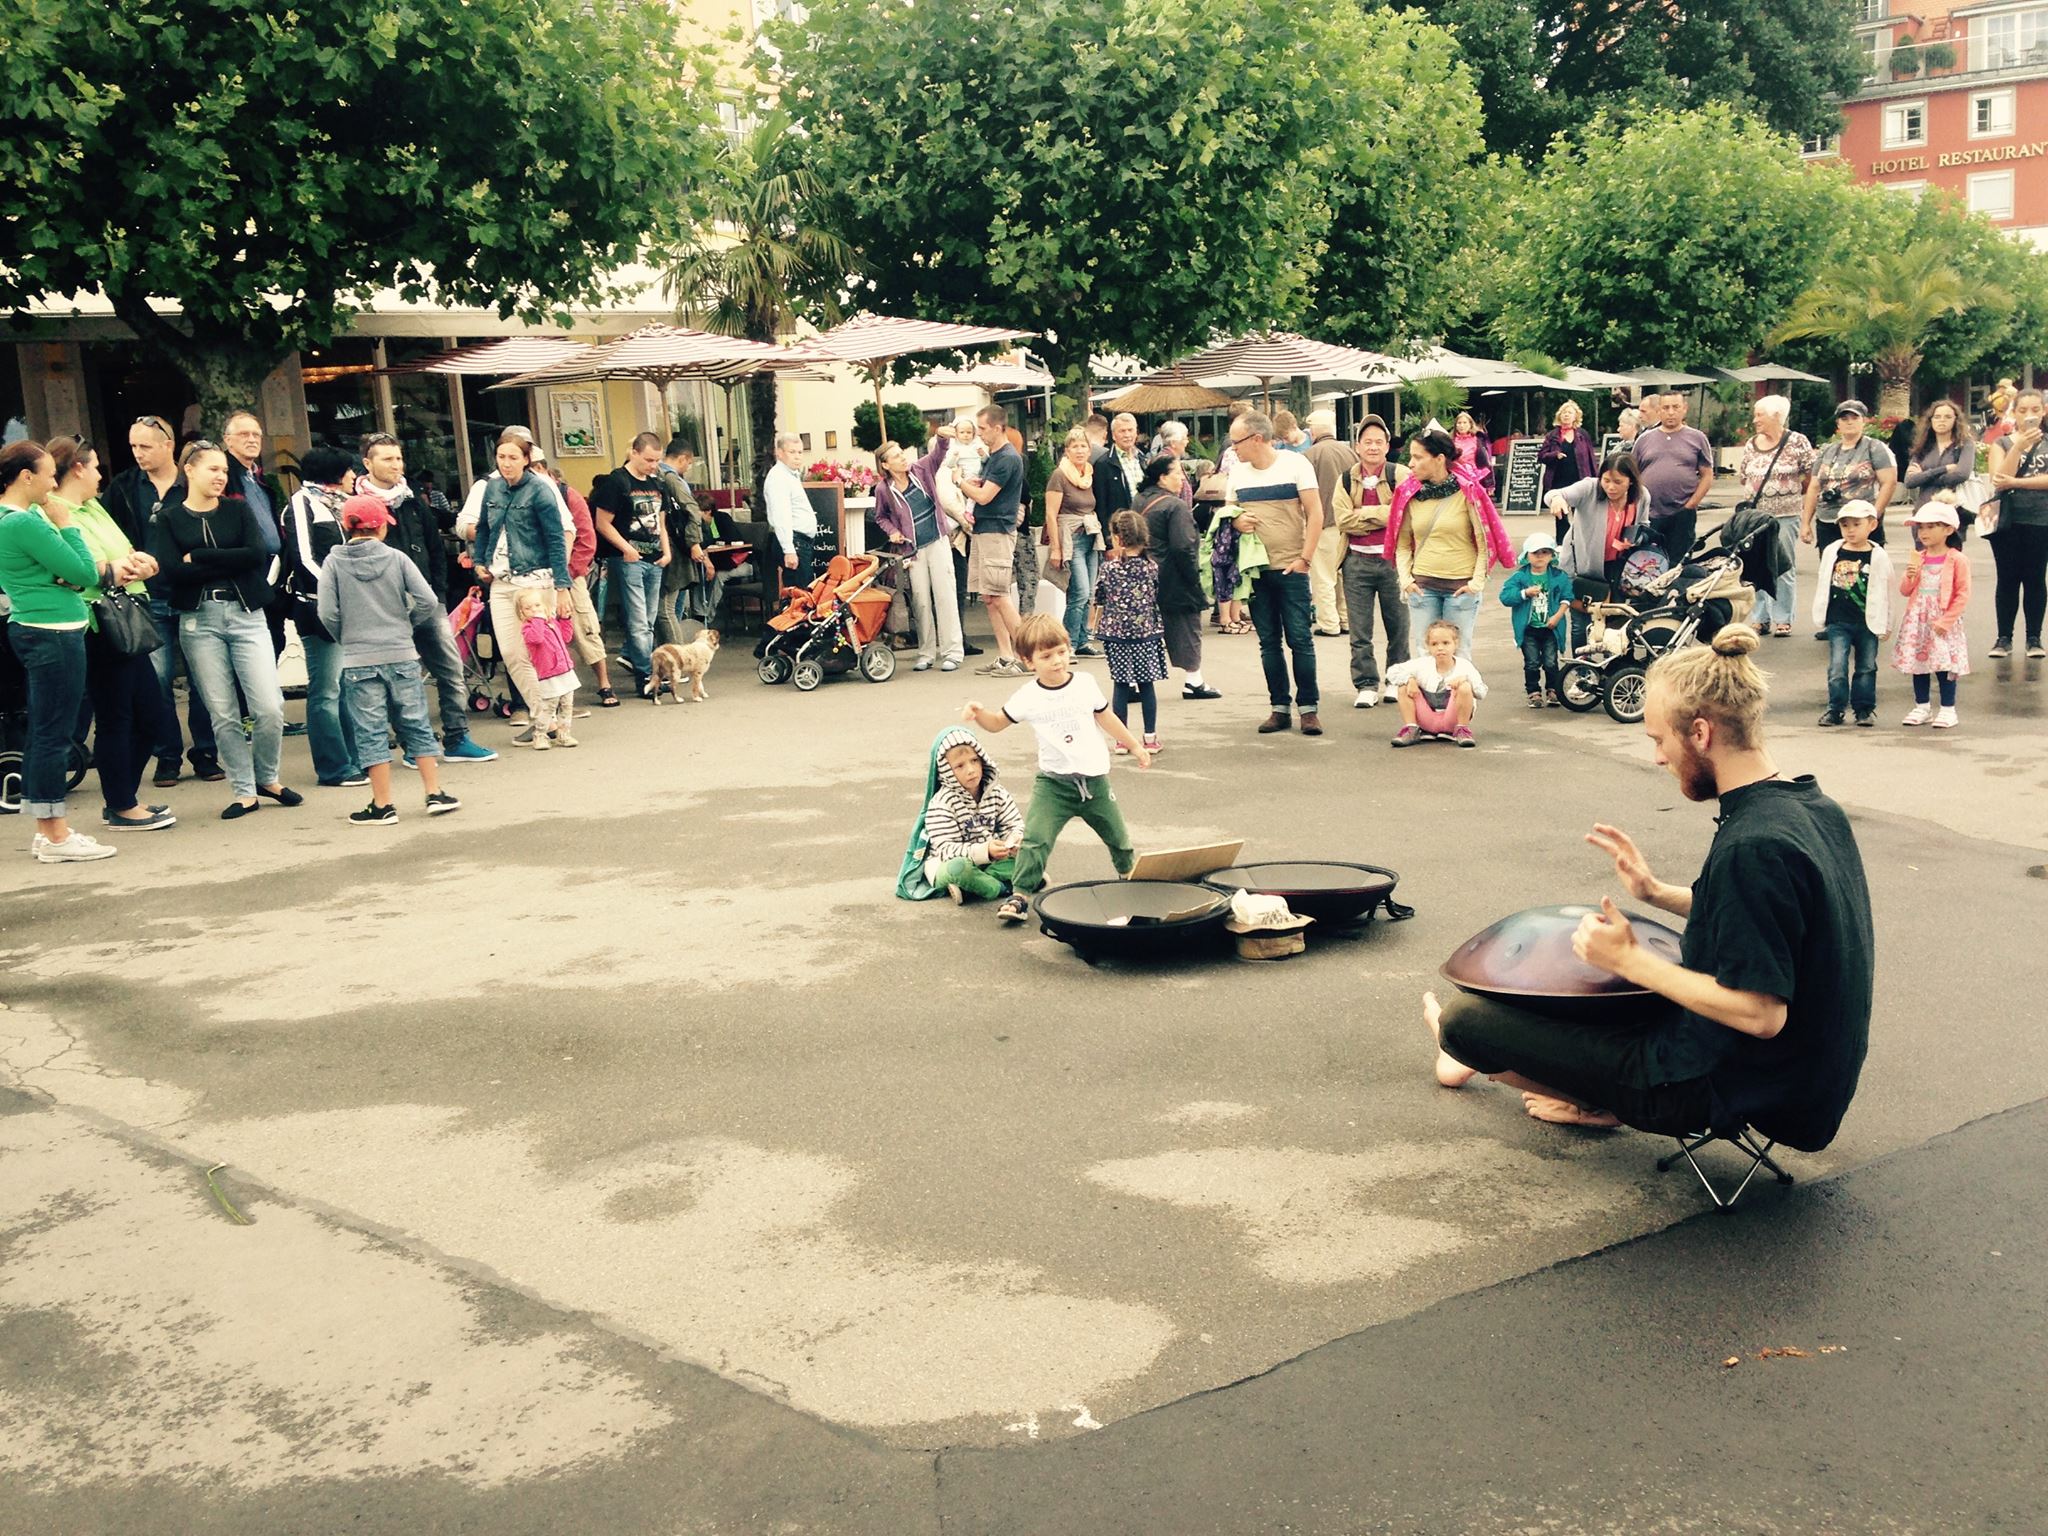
(1738, 1134)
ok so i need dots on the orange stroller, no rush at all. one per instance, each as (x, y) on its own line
(832, 627)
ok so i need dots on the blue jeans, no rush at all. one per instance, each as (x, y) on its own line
(1426, 607)
(1540, 665)
(1084, 560)
(1280, 608)
(228, 646)
(435, 642)
(1857, 691)
(55, 662)
(384, 698)
(639, 584)
(165, 659)
(1781, 604)
(329, 731)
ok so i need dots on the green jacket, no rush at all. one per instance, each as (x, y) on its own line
(34, 558)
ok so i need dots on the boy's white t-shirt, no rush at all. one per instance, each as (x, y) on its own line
(1069, 741)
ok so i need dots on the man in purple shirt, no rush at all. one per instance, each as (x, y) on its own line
(1676, 463)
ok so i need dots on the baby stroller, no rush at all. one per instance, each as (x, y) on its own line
(14, 733)
(478, 648)
(1687, 602)
(833, 627)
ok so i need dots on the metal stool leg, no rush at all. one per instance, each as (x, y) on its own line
(1746, 1140)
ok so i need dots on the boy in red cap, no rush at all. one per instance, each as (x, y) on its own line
(371, 597)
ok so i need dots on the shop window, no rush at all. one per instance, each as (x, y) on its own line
(831, 441)
(805, 439)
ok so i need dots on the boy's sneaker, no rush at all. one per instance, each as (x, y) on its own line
(1867, 718)
(374, 815)
(467, 750)
(440, 803)
(75, 849)
(1013, 910)
(1536, 700)
(1407, 736)
(1919, 714)
(1945, 717)
(542, 740)
(1831, 717)
(1551, 698)
(958, 894)
(1463, 736)
(2000, 648)
(564, 739)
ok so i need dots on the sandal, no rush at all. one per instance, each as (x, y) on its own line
(607, 699)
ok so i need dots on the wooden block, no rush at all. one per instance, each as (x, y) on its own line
(1185, 863)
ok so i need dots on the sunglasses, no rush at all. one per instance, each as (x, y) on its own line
(156, 422)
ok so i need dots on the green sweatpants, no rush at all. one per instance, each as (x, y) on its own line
(986, 881)
(1054, 803)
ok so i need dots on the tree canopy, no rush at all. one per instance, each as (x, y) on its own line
(1546, 66)
(1115, 174)
(270, 168)
(1677, 238)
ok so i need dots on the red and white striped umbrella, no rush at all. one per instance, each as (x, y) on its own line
(509, 354)
(873, 342)
(1276, 355)
(662, 354)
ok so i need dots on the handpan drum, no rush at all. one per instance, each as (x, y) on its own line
(1134, 919)
(1527, 959)
(1327, 891)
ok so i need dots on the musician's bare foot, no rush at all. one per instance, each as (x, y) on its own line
(1564, 1112)
(1450, 1071)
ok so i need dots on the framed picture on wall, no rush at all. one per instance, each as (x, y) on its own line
(579, 423)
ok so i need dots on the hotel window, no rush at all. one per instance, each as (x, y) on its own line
(1822, 144)
(1991, 194)
(1912, 190)
(1991, 114)
(1871, 10)
(1905, 124)
(1868, 41)
(2000, 42)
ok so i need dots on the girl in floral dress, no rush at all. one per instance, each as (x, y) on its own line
(1128, 624)
(1936, 587)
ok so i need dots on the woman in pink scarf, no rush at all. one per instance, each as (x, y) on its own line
(1443, 534)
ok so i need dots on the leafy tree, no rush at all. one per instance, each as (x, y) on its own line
(1118, 175)
(767, 260)
(1675, 240)
(267, 169)
(906, 426)
(1884, 308)
(1547, 66)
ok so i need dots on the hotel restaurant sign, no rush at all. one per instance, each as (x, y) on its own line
(1961, 157)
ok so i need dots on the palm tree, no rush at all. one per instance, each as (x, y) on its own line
(765, 258)
(1882, 308)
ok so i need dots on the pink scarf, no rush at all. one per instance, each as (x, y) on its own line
(1473, 484)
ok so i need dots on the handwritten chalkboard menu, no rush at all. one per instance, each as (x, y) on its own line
(1521, 482)
(828, 500)
(1613, 443)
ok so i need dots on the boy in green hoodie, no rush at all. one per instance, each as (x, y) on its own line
(1539, 595)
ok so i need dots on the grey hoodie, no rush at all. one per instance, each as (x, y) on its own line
(371, 596)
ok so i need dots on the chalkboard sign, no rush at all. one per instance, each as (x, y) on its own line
(1612, 444)
(1521, 482)
(828, 500)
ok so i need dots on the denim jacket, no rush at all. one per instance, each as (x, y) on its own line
(532, 525)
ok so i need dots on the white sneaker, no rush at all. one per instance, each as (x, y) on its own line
(1945, 718)
(1919, 714)
(1367, 698)
(75, 849)
(1390, 693)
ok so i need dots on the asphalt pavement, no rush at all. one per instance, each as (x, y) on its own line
(618, 1154)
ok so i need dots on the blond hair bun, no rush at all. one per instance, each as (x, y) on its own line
(1736, 640)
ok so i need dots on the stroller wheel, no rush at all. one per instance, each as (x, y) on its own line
(877, 661)
(774, 668)
(502, 708)
(807, 674)
(1627, 687)
(480, 703)
(75, 764)
(11, 765)
(1579, 687)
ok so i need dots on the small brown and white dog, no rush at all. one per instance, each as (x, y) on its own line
(673, 663)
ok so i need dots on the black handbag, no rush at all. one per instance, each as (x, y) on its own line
(125, 626)
(302, 597)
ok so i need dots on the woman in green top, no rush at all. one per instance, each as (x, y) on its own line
(44, 569)
(126, 701)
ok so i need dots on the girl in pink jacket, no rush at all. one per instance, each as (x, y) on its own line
(1936, 587)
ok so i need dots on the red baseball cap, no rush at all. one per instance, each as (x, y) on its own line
(359, 514)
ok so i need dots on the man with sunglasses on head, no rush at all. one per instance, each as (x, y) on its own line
(133, 498)
(242, 436)
(415, 533)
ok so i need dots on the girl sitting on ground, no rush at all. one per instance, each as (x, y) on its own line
(1438, 695)
(965, 840)
(1127, 621)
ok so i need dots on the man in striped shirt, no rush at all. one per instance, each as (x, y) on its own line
(1274, 496)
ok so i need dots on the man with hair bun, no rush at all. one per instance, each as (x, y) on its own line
(1766, 1015)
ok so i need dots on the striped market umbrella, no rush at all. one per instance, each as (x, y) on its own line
(510, 354)
(662, 354)
(872, 342)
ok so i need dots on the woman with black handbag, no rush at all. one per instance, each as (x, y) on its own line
(120, 676)
(312, 527)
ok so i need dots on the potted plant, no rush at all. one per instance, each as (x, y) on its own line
(1905, 61)
(1938, 56)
